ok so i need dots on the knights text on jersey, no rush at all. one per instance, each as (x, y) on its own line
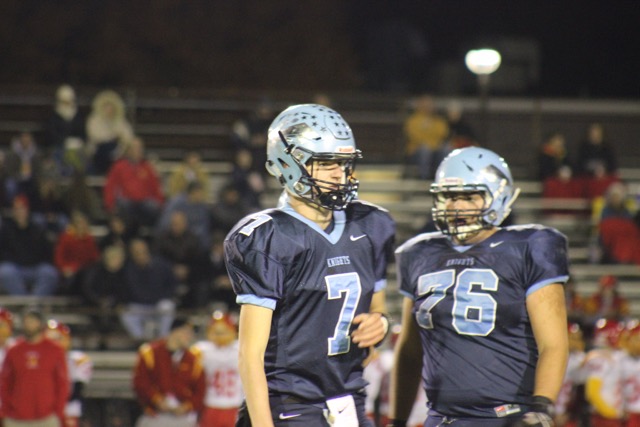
(316, 283)
(469, 303)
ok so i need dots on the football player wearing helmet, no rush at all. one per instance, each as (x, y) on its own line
(484, 317)
(310, 278)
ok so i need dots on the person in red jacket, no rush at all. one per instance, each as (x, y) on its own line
(34, 385)
(133, 188)
(75, 249)
(169, 380)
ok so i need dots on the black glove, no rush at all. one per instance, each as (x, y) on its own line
(397, 423)
(540, 414)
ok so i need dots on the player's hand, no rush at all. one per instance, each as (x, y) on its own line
(370, 329)
(540, 415)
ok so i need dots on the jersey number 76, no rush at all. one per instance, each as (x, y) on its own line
(474, 309)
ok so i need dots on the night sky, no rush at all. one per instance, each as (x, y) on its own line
(585, 48)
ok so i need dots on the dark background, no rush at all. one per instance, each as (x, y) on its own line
(586, 49)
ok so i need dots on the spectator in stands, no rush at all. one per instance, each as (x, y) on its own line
(48, 206)
(24, 165)
(618, 234)
(119, 233)
(75, 250)
(79, 195)
(107, 127)
(425, 132)
(65, 132)
(80, 368)
(461, 133)
(190, 170)
(251, 132)
(607, 302)
(552, 156)
(562, 185)
(218, 355)
(133, 187)
(25, 255)
(34, 385)
(594, 150)
(151, 286)
(5, 199)
(168, 379)
(104, 287)
(221, 292)
(596, 163)
(249, 182)
(192, 203)
(184, 251)
(229, 209)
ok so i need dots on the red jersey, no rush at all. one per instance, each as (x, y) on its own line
(35, 382)
(158, 377)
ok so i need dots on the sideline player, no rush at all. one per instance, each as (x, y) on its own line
(484, 317)
(80, 368)
(219, 358)
(310, 278)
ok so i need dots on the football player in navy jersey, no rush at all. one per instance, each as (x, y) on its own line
(310, 278)
(484, 318)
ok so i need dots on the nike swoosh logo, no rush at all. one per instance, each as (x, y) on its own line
(354, 238)
(494, 244)
(288, 416)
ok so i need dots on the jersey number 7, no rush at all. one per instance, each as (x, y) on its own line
(347, 285)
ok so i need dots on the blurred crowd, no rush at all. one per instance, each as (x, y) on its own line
(86, 213)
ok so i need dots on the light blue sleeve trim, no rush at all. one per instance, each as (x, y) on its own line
(561, 279)
(380, 285)
(256, 300)
(407, 294)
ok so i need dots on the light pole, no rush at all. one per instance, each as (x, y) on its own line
(483, 62)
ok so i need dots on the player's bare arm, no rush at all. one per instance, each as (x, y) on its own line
(546, 308)
(254, 329)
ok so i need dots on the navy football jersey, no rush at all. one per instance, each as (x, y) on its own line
(479, 350)
(316, 283)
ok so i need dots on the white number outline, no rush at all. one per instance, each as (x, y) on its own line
(258, 220)
(349, 286)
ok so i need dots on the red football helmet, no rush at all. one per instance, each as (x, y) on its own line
(607, 333)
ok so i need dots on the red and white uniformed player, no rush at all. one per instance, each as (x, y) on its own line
(6, 339)
(219, 356)
(631, 374)
(603, 365)
(566, 404)
(80, 369)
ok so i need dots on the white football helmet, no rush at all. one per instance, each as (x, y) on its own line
(472, 170)
(305, 133)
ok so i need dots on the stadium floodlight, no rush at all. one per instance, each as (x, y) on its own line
(483, 61)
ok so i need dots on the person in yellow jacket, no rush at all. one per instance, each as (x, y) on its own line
(425, 133)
